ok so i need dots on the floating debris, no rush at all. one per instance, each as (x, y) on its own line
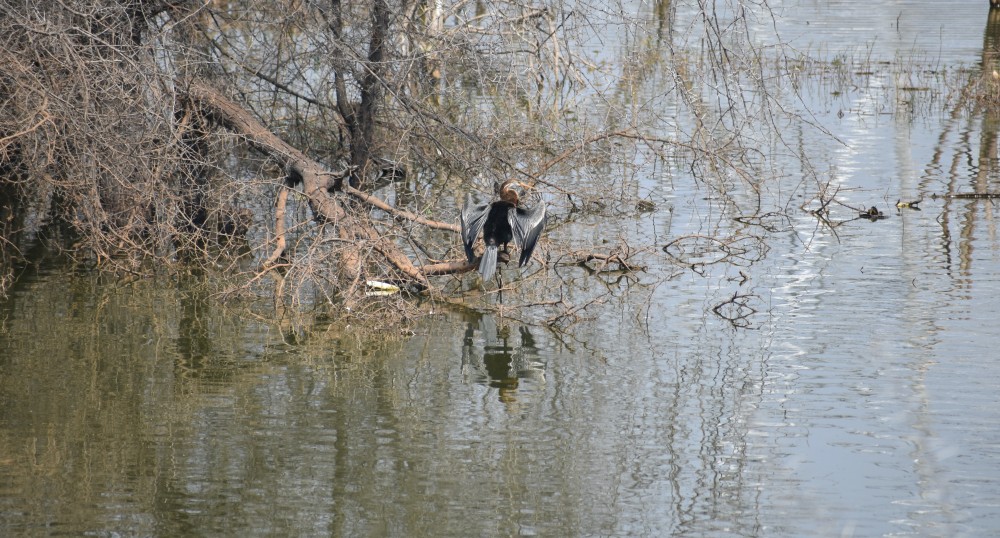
(872, 214)
(645, 206)
(379, 289)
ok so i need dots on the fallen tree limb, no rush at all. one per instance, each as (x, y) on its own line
(449, 268)
(326, 206)
(234, 117)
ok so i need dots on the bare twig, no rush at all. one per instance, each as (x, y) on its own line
(402, 213)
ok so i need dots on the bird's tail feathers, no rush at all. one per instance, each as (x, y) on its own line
(488, 263)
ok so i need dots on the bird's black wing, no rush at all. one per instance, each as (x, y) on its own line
(473, 217)
(527, 225)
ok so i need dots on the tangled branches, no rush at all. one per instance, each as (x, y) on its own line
(144, 136)
(91, 142)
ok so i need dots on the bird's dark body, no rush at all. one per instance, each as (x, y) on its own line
(497, 230)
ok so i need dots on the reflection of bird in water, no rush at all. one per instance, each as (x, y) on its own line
(498, 361)
(494, 357)
(501, 221)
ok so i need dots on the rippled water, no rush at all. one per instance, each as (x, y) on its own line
(862, 400)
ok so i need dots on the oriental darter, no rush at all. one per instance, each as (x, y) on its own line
(501, 221)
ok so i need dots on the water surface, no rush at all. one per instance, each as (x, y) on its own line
(856, 394)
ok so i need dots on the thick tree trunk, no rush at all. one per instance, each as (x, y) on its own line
(371, 90)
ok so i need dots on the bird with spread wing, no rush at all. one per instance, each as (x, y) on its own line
(501, 221)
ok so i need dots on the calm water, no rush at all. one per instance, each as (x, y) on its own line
(861, 401)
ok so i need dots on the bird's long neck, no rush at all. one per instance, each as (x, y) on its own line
(508, 194)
